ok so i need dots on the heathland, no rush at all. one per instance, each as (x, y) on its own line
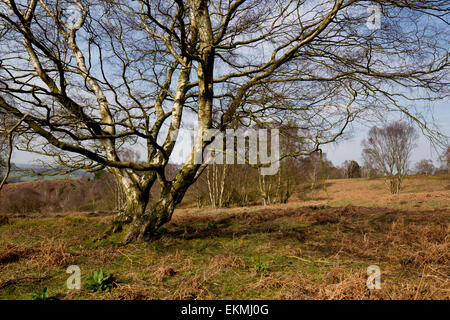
(316, 246)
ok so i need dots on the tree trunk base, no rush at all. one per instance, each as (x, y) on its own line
(145, 227)
(141, 227)
(117, 225)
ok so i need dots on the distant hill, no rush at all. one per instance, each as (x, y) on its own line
(30, 172)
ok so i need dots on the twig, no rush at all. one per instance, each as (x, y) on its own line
(420, 283)
(309, 261)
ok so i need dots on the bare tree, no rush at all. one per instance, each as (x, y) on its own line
(369, 170)
(216, 175)
(95, 76)
(4, 150)
(425, 167)
(445, 159)
(389, 148)
(288, 174)
(3, 142)
(8, 131)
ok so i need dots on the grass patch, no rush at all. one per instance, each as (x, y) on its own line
(290, 253)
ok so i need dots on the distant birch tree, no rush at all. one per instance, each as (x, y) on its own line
(389, 149)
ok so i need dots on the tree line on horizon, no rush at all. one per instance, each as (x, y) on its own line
(226, 185)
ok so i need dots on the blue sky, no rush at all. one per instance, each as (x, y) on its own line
(347, 149)
(350, 148)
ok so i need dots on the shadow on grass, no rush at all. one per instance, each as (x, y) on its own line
(284, 224)
(187, 232)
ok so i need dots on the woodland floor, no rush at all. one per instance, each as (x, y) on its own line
(314, 248)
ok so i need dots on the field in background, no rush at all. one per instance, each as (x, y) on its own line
(317, 246)
(418, 192)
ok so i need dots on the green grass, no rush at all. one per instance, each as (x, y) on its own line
(304, 253)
